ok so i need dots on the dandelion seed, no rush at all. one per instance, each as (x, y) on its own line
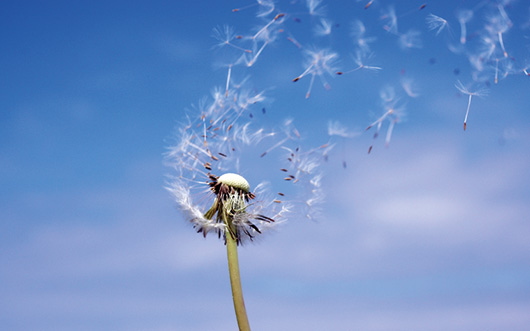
(265, 7)
(368, 4)
(502, 68)
(225, 35)
(319, 62)
(244, 7)
(464, 90)
(228, 80)
(324, 28)
(504, 16)
(314, 7)
(390, 18)
(264, 29)
(502, 44)
(358, 33)
(392, 113)
(410, 39)
(497, 25)
(463, 17)
(265, 35)
(294, 42)
(436, 23)
(496, 70)
(335, 128)
(408, 86)
(359, 60)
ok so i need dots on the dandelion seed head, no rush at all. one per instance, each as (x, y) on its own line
(217, 148)
(234, 180)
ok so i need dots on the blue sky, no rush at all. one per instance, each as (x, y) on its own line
(429, 233)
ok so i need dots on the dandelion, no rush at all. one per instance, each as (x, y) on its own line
(319, 62)
(214, 143)
(214, 148)
(436, 23)
(464, 90)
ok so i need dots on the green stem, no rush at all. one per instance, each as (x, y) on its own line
(235, 282)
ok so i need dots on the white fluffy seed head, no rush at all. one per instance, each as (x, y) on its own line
(235, 181)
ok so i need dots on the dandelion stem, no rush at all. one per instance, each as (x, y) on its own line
(467, 111)
(235, 282)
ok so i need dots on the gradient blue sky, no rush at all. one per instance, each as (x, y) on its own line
(430, 233)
